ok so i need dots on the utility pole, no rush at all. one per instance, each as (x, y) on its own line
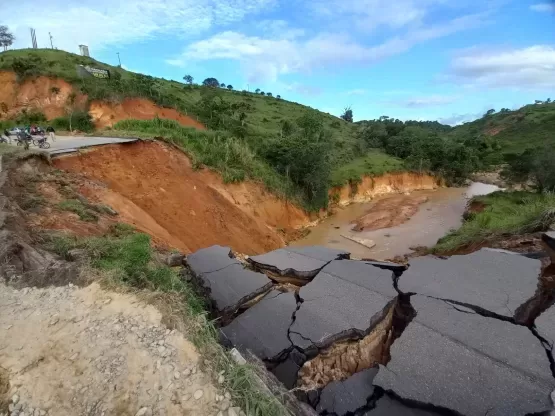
(51, 44)
(119, 60)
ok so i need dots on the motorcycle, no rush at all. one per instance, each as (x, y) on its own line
(43, 143)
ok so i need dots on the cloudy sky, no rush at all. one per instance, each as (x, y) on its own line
(447, 60)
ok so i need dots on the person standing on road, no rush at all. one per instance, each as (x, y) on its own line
(50, 130)
(8, 137)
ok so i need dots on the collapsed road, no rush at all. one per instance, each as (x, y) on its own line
(464, 335)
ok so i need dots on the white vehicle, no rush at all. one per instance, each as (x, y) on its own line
(14, 131)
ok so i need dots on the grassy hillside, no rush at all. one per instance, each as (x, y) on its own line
(514, 131)
(297, 151)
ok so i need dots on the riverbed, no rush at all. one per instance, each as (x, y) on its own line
(434, 218)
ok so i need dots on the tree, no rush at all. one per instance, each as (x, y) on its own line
(262, 93)
(6, 37)
(548, 100)
(490, 112)
(278, 97)
(230, 87)
(269, 94)
(538, 102)
(188, 79)
(211, 82)
(533, 165)
(347, 115)
(257, 90)
(222, 85)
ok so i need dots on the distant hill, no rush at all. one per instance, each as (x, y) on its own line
(515, 130)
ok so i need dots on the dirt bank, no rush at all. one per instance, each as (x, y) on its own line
(45, 94)
(106, 114)
(370, 187)
(154, 187)
(389, 212)
(50, 94)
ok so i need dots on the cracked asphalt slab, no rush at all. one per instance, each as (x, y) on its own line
(494, 281)
(228, 282)
(303, 262)
(432, 368)
(263, 328)
(345, 296)
(461, 351)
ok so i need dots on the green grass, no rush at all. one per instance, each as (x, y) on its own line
(506, 213)
(127, 257)
(374, 163)
(76, 206)
(230, 156)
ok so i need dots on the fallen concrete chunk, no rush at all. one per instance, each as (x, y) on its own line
(445, 357)
(226, 281)
(345, 297)
(263, 328)
(496, 282)
(345, 397)
(366, 242)
(296, 262)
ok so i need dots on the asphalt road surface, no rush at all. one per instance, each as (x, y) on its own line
(68, 144)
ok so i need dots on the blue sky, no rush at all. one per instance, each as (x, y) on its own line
(440, 60)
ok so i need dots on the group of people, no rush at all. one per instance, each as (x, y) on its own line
(30, 131)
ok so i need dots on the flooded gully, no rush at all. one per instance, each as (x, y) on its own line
(395, 222)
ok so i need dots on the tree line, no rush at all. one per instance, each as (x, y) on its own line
(214, 83)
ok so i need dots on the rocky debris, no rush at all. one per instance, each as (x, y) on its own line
(447, 354)
(175, 259)
(548, 241)
(263, 329)
(346, 397)
(296, 264)
(71, 351)
(227, 282)
(347, 298)
(490, 282)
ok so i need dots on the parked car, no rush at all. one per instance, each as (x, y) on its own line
(14, 131)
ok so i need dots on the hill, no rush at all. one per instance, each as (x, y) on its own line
(515, 131)
(297, 151)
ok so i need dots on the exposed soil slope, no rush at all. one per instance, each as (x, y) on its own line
(390, 183)
(46, 94)
(106, 114)
(154, 187)
(49, 95)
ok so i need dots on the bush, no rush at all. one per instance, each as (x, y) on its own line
(77, 207)
(30, 117)
(80, 120)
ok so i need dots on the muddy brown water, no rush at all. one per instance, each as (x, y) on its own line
(442, 212)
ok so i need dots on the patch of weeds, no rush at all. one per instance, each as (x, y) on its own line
(77, 207)
(31, 201)
(121, 229)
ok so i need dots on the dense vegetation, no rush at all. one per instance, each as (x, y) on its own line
(297, 151)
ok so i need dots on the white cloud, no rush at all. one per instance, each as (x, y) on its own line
(427, 101)
(527, 68)
(101, 23)
(265, 58)
(456, 119)
(543, 7)
(303, 89)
